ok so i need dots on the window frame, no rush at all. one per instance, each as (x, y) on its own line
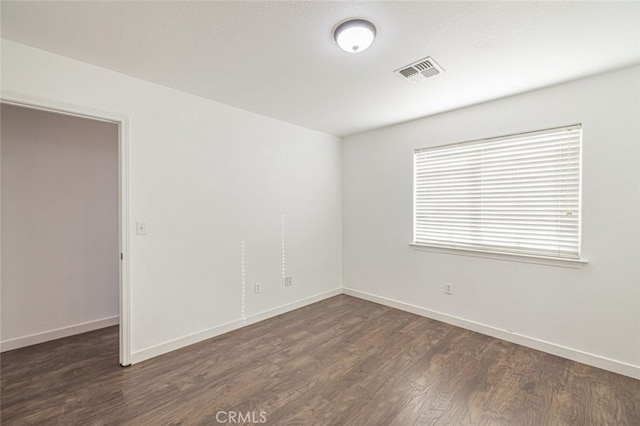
(513, 253)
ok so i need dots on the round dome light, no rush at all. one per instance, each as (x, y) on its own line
(355, 35)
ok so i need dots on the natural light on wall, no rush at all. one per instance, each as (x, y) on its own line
(517, 194)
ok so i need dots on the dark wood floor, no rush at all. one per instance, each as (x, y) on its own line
(343, 361)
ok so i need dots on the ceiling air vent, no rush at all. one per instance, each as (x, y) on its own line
(420, 70)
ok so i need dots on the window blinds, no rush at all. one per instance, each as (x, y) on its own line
(516, 194)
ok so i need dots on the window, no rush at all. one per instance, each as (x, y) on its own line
(516, 194)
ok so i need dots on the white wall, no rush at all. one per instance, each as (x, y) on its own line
(591, 313)
(59, 225)
(205, 177)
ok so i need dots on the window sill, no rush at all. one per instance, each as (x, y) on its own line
(538, 260)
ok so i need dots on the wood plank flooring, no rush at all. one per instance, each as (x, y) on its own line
(342, 361)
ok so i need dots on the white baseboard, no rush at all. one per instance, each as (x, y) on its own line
(181, 342)
(58, 333)
(530, 342)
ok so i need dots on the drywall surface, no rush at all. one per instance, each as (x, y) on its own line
(593, 309)
(229, 198)
(59, 222)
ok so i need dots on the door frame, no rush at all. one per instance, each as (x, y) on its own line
(27, 101)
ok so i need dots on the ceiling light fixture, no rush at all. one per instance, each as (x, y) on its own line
(354, 35)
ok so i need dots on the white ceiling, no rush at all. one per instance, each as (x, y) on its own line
(279, 58)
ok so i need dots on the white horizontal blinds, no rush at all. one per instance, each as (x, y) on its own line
(516, 194)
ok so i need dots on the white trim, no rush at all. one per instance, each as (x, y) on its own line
(125, 288)
(43, 104)
(608, 364)
(58, 333)
(181, 342)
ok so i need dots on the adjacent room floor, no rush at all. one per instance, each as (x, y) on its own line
(342, 361)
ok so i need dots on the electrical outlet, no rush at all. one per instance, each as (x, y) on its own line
(287, 281)
(448, 288)
(257, 288)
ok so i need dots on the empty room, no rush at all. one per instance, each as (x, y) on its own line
(320, 213)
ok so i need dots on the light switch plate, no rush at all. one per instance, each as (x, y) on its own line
(141, 228)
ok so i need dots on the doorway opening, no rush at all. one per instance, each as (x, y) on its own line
(68, 208)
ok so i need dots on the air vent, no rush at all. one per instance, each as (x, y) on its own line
(420, 70)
